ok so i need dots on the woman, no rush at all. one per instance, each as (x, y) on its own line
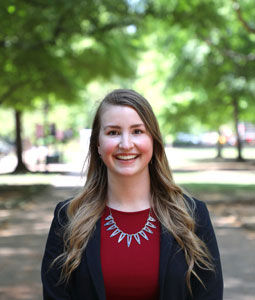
(132, 233)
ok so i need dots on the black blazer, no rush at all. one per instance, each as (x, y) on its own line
(87, 283)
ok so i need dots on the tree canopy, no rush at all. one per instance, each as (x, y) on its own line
(212, 63)
(53, 49)
(50, 50)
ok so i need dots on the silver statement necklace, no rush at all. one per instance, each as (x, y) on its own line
(113, 226)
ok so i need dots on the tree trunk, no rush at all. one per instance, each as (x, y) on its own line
(238, 138)
(219, 145)
(21, 167)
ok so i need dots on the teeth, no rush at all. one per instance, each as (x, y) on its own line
(126, 157)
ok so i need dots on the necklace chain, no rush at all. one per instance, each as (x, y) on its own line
(113, 226)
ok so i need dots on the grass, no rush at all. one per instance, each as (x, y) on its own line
(13, 196)
(200, 154)
(209, 177)
(219, 187)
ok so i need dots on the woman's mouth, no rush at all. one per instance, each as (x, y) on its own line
(126, 156)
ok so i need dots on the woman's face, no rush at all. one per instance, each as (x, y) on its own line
(125, 145)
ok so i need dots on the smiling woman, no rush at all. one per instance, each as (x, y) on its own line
(132, 233)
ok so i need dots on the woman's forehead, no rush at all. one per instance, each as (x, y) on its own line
(119, 113)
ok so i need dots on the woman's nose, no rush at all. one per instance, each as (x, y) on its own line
(125, 142)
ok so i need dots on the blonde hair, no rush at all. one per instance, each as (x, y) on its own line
(169, 204)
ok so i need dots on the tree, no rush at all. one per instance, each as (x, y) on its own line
(211, 63)
(52, 50)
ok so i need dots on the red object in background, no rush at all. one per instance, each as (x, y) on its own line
(39, 132)
(60, 135)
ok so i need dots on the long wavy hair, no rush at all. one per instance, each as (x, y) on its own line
(169, 204)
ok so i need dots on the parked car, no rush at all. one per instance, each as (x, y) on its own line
(186, 139)
(202, 139)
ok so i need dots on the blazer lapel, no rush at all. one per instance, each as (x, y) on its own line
(166, 242)
(94, 261)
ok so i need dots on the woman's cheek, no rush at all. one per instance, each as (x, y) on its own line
(108, 147)
(145, 144)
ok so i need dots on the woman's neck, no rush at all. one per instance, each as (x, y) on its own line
(128, 193)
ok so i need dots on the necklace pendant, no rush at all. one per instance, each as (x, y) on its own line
(143, 234)
(121, 237)
(147, 229)
(151, 219)
(150, 224)
(109, 222)
(112, 227)
(115, 232)
(129, 239)
(136, 236)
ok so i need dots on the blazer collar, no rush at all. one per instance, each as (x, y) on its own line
(166, 243)
(94, 259)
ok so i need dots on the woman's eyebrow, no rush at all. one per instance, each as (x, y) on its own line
(118, 127)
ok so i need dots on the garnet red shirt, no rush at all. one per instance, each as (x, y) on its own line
(130, 272)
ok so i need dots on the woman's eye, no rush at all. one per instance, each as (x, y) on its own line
(112, 132)
(137, 131)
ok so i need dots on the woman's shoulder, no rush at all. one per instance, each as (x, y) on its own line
(63, 204)
(200, 213)
(198, 207)
(60, 212)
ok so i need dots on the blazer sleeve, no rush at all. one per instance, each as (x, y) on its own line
(50, 275)
(213, 280)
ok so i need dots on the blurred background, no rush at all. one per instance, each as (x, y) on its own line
(195, 63)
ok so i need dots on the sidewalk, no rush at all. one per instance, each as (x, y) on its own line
(23, 239)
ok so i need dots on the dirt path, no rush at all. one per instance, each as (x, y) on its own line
(24, 230)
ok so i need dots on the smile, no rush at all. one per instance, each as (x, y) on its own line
(126, 157)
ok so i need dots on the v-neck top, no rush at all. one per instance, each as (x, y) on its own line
(130, 272)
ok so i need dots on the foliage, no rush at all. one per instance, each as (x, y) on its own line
(51, 50)
(203, 50)
(210, 61)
